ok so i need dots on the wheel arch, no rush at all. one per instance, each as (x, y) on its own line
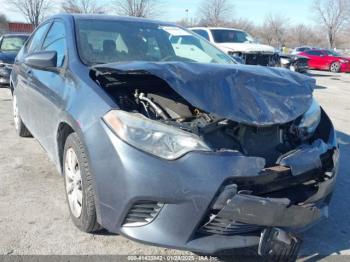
(65, 128)
(63, 131)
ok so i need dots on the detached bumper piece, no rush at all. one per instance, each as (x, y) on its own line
(278, 245)
(248, 213)
(268, 212)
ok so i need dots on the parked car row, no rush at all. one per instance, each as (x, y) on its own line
(241, 46)
(10, 44)
(165, 139)
(329, 60)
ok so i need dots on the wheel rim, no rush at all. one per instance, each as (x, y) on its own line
(74, 187)
(335, 67)
(15, 112)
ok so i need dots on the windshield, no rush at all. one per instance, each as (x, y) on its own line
(333, 53)
(101, 42)
(12, 43)
(231, 36)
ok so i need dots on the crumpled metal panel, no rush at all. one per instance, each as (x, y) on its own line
(253, 95)
(305, 158)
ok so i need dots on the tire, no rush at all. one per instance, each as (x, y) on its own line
(334, 67)
(21, 129)
(79, 190)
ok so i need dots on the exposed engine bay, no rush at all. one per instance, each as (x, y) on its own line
(152, 97)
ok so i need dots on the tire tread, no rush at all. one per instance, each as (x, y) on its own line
(88, 220)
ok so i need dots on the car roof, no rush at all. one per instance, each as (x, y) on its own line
(216, 28)
(111, 18)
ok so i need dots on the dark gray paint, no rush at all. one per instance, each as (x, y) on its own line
(123, 174)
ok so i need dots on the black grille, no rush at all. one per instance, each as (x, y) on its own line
(260, 59)
(142, 213)
(223, 226)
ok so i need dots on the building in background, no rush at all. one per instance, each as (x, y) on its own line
(20, 28)
(14, 27)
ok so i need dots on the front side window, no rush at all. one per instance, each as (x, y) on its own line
(12, 43)
(231, 36)
(202, 33)
(34, 44)
(56, 41)
(101, 41)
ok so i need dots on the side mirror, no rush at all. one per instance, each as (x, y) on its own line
(42, 60)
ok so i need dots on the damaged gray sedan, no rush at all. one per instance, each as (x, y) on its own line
(174, 144)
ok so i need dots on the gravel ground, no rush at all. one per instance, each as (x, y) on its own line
(34, 217)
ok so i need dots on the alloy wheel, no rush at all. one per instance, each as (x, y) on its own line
(73, 183)
(335, 67)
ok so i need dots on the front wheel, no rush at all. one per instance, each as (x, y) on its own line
(78, 184)
(335, 67)
(21, 129)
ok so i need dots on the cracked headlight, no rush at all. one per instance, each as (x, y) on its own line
(309, 121)
(153, 137)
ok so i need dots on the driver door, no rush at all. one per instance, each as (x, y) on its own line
(47, 87)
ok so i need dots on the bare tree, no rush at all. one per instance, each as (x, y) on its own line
(333, 15)
(243, 24)
(301, 35)
(82, 7)
(33, 10)
(138, 8)
(3, 24)
(215, 12)
(190, 22)
(3, 19)
(274, 30)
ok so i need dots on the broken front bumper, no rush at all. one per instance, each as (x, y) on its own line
(184, 204)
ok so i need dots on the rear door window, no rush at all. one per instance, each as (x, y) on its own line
(313, 52)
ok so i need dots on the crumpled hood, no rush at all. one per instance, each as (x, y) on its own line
(247, 47)
(253, 95)
(8, 57)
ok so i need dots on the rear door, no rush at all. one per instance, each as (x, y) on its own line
(316, 59)
(47, 88)
(329, 59)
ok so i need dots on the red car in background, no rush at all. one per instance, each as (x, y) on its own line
(327, 60)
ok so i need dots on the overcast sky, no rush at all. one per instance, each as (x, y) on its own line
(255, 10)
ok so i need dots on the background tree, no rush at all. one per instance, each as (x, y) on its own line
(333, 15)
(33, 10)
(3, 23)
(215, 12)
(138, 8)
(243, 24)
(3, 19)
(82, 7)
(300, 35)
(274, 30)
